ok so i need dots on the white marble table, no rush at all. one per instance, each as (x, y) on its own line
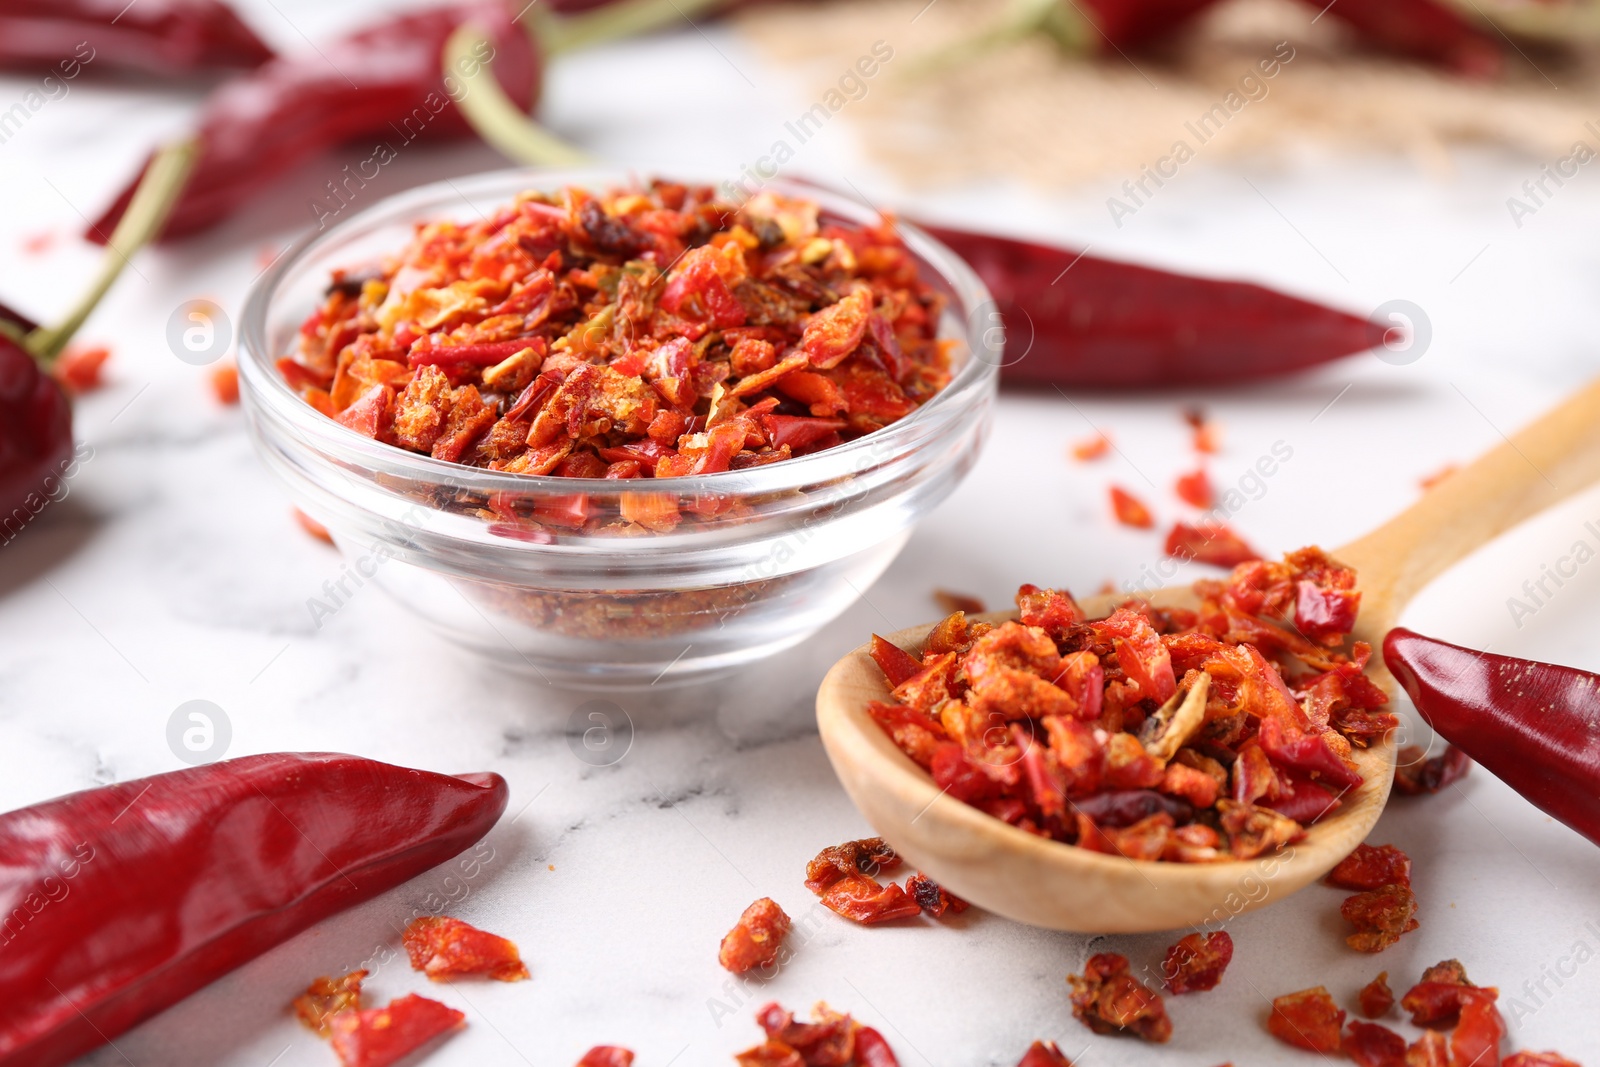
(174, 571)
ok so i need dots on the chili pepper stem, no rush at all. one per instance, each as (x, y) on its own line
(154, 199)
(1065, 23)
(627, 18)
(495, 117)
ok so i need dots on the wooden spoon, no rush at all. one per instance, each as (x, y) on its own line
(1046, 883)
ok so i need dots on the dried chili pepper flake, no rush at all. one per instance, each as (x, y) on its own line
(932, 898)
(79, 368)
(756, 938)
(1129, 510)
(1308, 1019)
(1196, 962)
(378, 1037)
(312, 526)
(606, 1056)
(1479, 1030)
(1044, 1054)
(1195, 489)
(1416, 774)
(1380, 917)
(1376, 998)
(830, 1040)
(224, 380)
(1091, 448)
(1436, 999)
(1109, 1000)
(327, 997)
(950, 602)
(867, 856)
(1371, 867)
(441, 947)
(1429, 481)
(1371, 1045)
(1430, 1050)
(1206, 435)
(1537, 1059)
(1208, 542)
(863, 900)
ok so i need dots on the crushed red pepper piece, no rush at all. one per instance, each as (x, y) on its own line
(1196, 962)
(1371, 867)
(1430, 1050)
(1436, 999)
(950, 602)
(1479, 1031)
(606, 1056)
(378, 1037)
(1415, 775)
(756, 938)
(831, 1040)
(1091, 448)
(1130, 510)
(79, 368)
(327, 997)
(1109, 1000)
(1371, 1045)
(1307, 1020)
(863, 900)
(224, 379)
(1206, 435)
(1208, 542)
(868, 856)
(1537, 1059)
(1380, 917)
(1195, 489)
(441, 947)
(1043, 1054)
(1376, 998)
(932, 898)
(312, 526)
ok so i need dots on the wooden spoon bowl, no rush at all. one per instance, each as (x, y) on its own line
(1050, 884)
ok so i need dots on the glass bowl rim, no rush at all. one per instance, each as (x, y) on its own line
(267, 386)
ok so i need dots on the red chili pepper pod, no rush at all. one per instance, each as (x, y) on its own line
(120, 901)
(1076, 321)
(1421, 29)
(1531, 724)
(1127, 24)
(159, 37)
(35, 432)
(381, 88)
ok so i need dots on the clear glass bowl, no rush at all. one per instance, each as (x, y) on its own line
(766, 557)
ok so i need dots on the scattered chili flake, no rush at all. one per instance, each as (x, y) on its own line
(377, 1037)
(1195, 964)
(1195, 488)
(1129, 510)
(1043, 1054)
(1371, 867)
(79, 368)
(1209, 542)
(1307, 1020)
(1207, 435)
(1109, 1000)
(1436, 999)
(830, 1040)
(932, 898)
(606, 1056)
(1479, 1031)
(312, 526)
(1431, 480)
(36, 244)
(1091, 448)
(1371, 1045)
(1192, 736)
(1430, 1050)
(867, 856)
(327, 997)
(755, 939)
(1415, 775)
(1537, 1059)
(1380, 917)
(656, 326)
(441, 947)
(225, 382)
(863, 900)
(1376, 998)
(949, 602)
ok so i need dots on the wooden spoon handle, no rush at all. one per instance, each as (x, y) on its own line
(1541, 465)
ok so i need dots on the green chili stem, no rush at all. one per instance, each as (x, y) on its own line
(494, 116)
(152, 202)
(627, 18)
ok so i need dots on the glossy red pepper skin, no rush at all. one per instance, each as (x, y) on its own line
(1421, 29)
(1089, 323)
(381, 86)
(35, 431)
(120, 901)
(1132, 24)
(1531, 724)
(165, 38)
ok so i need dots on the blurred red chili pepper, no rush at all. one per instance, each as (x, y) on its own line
(166, 38)
(383, 84)
(1077, 321)
(122, 900)
(1124, 24)
(35, 430)
(1530, 724)
(1421, 29)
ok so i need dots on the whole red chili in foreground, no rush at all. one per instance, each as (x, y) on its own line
(272, 844)
(1098, 323)
(443, 948)
(382, 85)
(378, 1037)
(1109, 1000)
(165, 38)
(1531, 724)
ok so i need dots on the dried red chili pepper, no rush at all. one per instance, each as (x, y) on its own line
(1380, 917)
(606, 1056)
(1376, 998)
(378, 1037)
(1098, 323)
(1436, 999)
(1043, 1054)
(1109, 1000)
(383, 83)
(1370, 867)
(442, 948)
(1422, 29)
(1430, 1050)
(1479, 1031)
(272, 844)
(1529, 723)
(1091, 448)
(1195, 489)
(1307, 1020)
(756, 938)
(932, 897)
(165, 38)
(225, 383)
(832, 1040)
(1371, 1045)
(1537, 1059)
(1196, 962)
(1208, 542)
(327, 997)
(1416, 773)
(79, 368)
(863, 900)
(35, 430)
(1129, 510)
(868, 856)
